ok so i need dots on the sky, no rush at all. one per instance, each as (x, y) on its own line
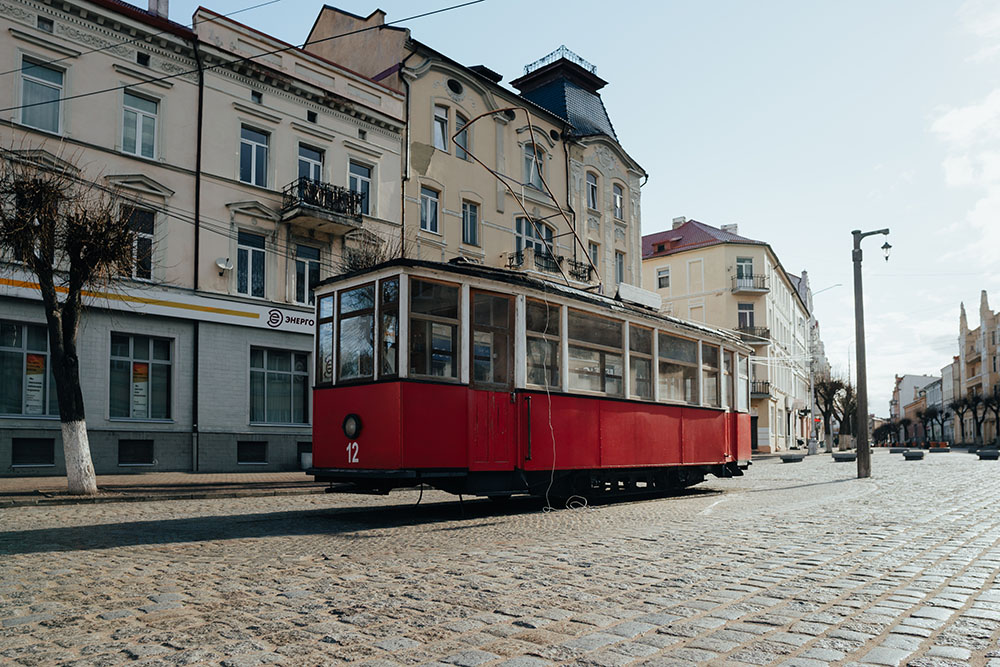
(795, 119)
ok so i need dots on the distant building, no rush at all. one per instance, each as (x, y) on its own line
(714, 275)
(977, 363)
(950, 376)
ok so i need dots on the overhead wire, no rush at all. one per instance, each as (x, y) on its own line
(244, 59)
(135, 40)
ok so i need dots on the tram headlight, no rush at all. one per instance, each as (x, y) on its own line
(352, 426)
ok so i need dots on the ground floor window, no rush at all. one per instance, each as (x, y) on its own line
(135, 453)
(26, 383)
(251, 451)
(140, 386)
(279, 386)
(32, 452)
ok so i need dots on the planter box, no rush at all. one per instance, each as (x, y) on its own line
(897, 450)
(913, 454)
(989, 454)
(792, 458)
(933, 450)
(845, 457)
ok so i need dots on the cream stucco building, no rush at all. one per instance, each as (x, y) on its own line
(716, 276)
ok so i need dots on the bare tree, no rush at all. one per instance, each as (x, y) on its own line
(978, 409)
(826, 393)
(959, 408)
(845, 409)
(905, 424)
(992, 403)
(883, 433)
(364, 249)
(941, 416)
(68, 233)
(922, 417)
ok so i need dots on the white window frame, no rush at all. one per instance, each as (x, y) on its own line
(661, 273)
(292, 374)
(470, 223)
(619, 201)
(140, 115)
(255, 257)
(427, 197)
(534, 171)
(315, 166)
(462, 137)
(353, 180)
(27, 77)
(619, 266)
(592, 191)
(135, 244)
(527, 236)
(150, 362)
(308, 266)
(594, 250)
(256, 149)
(48, 383)
(439, 127)
(740, 310)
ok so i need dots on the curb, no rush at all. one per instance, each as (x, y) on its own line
(149, 497)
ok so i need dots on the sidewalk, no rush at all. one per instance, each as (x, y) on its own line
(20, 491)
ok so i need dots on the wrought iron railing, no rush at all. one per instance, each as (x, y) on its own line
(579, 270)
(515, 259)
(760, 387)
(545, 261)
(330, 198)
(758, 282)
(755, 335)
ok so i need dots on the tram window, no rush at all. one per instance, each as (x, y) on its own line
(678, 366)
(490, 339)
(389, 327)
(595, 354)
(433, 329)
(742, 392)
(542, 324)
(710, 374)
(730, 388)
(356, 349)
(640, 345)
(324, 362)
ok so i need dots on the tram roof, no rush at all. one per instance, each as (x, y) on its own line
(521, 279)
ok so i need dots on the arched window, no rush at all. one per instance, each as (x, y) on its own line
(591, 190)
(533, 169)
(462, 138)
(537, 236)
(619, 194)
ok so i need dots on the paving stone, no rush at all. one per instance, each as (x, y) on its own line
(470, 658)
(885, 655)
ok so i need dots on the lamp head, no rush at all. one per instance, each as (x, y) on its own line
(886, 248)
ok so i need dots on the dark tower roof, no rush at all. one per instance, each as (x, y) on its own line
(567, 85)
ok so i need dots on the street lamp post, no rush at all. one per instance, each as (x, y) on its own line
(861, 418)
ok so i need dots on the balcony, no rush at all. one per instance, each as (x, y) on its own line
(530, 259)
(321, 207)
(974, 354)
(750, 285)
(579, 270)
(755, 335)
(760, 389)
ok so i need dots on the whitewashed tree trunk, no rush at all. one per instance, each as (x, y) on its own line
(79, 466)
(829, 442)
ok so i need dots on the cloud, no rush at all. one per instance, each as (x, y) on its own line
(981, 18)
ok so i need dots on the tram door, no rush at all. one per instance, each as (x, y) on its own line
(492, 412)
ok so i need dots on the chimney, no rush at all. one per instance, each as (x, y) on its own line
(159, 8)
(732, 229)
(678, 222)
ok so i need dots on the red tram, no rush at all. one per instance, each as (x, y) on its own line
(484, 381)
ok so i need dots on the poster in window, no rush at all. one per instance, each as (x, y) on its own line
(140, 389)
(34, 384)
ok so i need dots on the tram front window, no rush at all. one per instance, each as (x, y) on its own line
(389, 327)
(433, 329)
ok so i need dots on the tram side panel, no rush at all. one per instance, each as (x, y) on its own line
(647, 437)
(575, 430)
(743, 452)
(435, 430)
(704, 436)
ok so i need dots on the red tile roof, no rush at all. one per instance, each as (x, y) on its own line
(692, 234)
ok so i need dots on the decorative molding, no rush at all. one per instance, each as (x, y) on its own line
(140, 183)
(314, 131)
(87, 38)
(44, 43)
(46, 159)
(142, 76)
(253, 209)
(15, 12)
(362, 148)
(263, 115)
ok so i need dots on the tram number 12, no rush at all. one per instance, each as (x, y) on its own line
(352, 452)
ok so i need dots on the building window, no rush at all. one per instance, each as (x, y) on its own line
(32, 452)
(594, 250)
(141, 223)
(250, 264)
(640, 346)
(139, 126)
(620, 267)
(441, 128)
(41, 89)
(663, 278)
(462, 138)
(470, 223)
(678, 366)
(595, 353)
(619, 195)
(433, 329)
(356, 351)
(360, 180)
(26, 383)
(534, 163)
(279, 386)
(251, 452)
(310, 163)
(45, 24)
(744, 311)
(532, 234)
(135, 453)
(306, 273)
(429, 210)
(591, 190)
(744, 271)
(253, 156)
(142, 59)
(140, 386)
(543, 349)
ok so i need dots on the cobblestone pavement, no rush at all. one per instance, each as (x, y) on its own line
(794, 564)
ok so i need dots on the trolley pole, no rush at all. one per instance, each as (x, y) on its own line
(861, 418)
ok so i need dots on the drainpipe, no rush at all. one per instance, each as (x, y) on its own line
(406, 156)
(197, 255)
